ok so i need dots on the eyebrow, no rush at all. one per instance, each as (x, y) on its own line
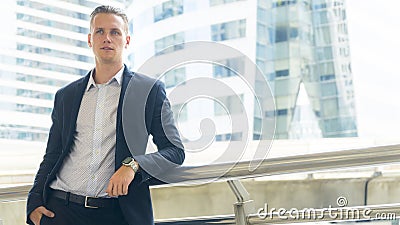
(114, 28)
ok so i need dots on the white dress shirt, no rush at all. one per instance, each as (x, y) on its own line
(91, 163)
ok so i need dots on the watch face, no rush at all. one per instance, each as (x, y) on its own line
(127, 160)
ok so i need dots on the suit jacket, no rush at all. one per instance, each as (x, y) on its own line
(136, 206)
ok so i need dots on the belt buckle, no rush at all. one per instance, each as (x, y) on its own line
(86, 203)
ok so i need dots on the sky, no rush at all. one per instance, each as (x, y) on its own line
(373, 28)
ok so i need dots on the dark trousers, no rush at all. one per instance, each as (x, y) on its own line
(74, 214)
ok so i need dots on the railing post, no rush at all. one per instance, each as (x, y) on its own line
(244, 205)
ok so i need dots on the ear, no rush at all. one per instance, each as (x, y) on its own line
(89, 40)
(128, 40)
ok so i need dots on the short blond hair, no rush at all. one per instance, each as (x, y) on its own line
(111, 10)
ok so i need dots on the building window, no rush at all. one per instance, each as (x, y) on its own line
(175, 77)
(339, 124)
(327, 77)
(22, 132)
(321, 17)
(324, 53)
(269, 114)
(228, 105)
(229, 30)
(218, 137)
(344, 51)
(282, 73)
(256, 136)
(262, 15)
(319, 6)
(282, 112)
(264, 52)
(280, 3)
(130, 27)
(237, 136)
(168, 9)
(229, 67)
(284, 33)
(220, 2)
(257, 126)
(326, 68)
(281, 34)
(329, 89)
(323, 36)
(264, 34)
(342, 28)
(169, 44)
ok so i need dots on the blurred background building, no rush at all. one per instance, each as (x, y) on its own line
(293, 42)
(44, 47)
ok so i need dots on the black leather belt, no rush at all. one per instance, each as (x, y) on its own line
(87, 202)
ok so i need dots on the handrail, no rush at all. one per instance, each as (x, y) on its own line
(275, 166)
(283, 165)
(291, 164)
(12, 193)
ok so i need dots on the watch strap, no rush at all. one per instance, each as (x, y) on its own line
(129, 161)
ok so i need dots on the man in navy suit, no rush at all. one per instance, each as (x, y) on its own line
(89, 175)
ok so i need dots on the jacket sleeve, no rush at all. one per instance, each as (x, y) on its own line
(53, 151)
(166, 137)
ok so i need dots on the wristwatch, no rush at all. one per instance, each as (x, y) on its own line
(129, 161)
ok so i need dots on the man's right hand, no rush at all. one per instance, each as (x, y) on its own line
(36, 215)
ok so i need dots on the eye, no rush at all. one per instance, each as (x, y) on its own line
(100, 31)
(115, 32)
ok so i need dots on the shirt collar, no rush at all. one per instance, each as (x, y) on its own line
(118, 77)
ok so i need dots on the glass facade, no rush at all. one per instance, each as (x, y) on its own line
(228, 105)
(228, 30)
(231, 67)
(169, 44)
(309, 44)
(168, 9)
(293, 42)
(175, 77)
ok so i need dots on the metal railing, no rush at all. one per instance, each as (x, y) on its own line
(244, 209)
(292, 164)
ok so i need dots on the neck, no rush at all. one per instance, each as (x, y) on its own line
(104, 72)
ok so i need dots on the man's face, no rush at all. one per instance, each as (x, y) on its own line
(107, 38)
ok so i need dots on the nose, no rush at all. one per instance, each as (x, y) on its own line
(107, 38)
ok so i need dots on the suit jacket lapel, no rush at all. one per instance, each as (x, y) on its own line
(76, 95)
(126, 77)
(121, 149)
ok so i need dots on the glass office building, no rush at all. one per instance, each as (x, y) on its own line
(294, 42)
(44, 47)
